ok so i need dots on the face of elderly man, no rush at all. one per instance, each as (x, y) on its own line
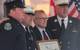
(62, 10)
(40, 19)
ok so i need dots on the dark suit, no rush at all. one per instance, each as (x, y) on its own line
(12, 36)
(69, 39)
(30, 40)
(38, 35)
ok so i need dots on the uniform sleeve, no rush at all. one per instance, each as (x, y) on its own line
(20, 37)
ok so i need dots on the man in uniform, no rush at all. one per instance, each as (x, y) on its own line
(28, 16)
(66, 28)
(12, 34)
(24, 17)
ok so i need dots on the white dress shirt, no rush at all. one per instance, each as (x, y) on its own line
(25, 27)
(65, 21)
(41, 31)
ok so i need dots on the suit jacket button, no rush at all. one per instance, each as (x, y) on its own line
(68, 42)
(60, 43)
(68, 47)
(29, 47)
(26, 47)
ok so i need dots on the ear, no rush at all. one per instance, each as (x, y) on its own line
(11, 13)
(34, 18)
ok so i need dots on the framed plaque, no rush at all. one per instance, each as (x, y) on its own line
(48, 45)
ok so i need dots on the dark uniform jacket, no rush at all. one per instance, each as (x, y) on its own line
(38, 35)
(70, 38)
(12, 36)
(30, 40)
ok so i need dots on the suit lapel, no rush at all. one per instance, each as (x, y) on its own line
(56, 25)
(49, 34)
(69, 26)
(38, 34)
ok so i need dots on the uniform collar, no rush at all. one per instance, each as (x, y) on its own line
(24, 26)
(65, 19)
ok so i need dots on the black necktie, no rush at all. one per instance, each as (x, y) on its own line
(29, 33)
(45, 36)
(62, 25)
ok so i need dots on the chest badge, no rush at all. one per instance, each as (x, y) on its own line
(7, 26)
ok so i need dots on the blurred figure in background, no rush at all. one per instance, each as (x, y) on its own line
(28, 16)
(25, 16)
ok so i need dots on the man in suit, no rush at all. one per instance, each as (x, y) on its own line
(40, 31)
(66, 28)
